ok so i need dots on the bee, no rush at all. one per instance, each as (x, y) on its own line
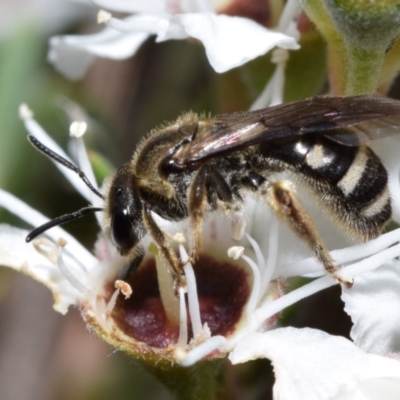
(200, 164)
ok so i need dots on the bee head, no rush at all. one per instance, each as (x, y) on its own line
(125, 211)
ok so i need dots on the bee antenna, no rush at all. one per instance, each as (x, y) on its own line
(61, 160)
(59, 221)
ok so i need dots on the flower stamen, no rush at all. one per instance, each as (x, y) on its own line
(125, 288)
(257, 251)
(111, 303)
(41, 135)
(272, 251)
(79, 286)
(183, 331)
(235, 252)
(209, 346)
(279, 56)
(50, 252)
(193, 299)
(273, 92)
(255, 293)
(25, 112)
(290, 12)
(76, 130)
(103, 17)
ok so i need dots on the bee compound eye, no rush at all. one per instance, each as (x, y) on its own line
(122, 233)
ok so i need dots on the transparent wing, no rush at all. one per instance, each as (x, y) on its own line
(350, 121)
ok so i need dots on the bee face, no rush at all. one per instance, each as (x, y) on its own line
(124, 209)
(198, 164)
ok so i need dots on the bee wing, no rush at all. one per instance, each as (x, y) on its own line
(350, 121)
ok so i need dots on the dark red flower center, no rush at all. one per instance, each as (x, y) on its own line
(223, 290)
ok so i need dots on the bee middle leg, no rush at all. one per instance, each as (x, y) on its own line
(206, 180)
(167, 254)
(289, 209)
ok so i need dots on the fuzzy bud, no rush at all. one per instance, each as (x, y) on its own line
(366, 24)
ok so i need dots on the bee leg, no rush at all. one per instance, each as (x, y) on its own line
(134, 263)
(207, 180)
(196, 203)
(288, 208)
(167, 254)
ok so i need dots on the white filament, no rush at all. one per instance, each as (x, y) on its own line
(111, 303)
(79, 286)
(255, 292)
(257, 251)
(194, 306)
(346, 255)
(203, 349)
(86, 167)
(183, 331)
(272, 251)
(273, 92)
(36, 130)
(290, 12)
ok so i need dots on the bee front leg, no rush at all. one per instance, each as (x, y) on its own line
(167, 254)
(281, 199)
(135, 260)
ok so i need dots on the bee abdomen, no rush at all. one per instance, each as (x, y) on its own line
(349, 181)
(365, 188)
(360, 198)
(365, 181)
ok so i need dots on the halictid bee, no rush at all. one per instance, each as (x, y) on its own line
(200, 164)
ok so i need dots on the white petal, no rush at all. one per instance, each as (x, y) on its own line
(67, 59)
(73, 54)
(34, 218)
(171, 28)
(388, 151)
(373, 304)
(133, 6)
(16, 254)
(310, 364)
(47, 16)
(229, 41)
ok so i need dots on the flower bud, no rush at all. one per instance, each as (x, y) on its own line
(360, 36)
(368, 25)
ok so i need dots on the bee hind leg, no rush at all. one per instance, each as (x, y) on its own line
(280, 197)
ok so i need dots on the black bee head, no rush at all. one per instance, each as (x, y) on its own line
(125, 210)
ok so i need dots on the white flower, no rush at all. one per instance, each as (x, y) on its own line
(47, 15)
(232, 302)
(310, 364)
(374, 309)
(229, 41)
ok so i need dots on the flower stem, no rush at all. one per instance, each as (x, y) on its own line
(337, 67)
(363, 69)
(200, 381)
